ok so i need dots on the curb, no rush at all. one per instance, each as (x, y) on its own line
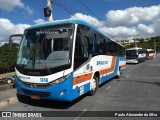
(10, 101)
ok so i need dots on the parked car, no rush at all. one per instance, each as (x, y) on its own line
(7, 77)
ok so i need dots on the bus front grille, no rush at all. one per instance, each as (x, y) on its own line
(40, 94)
(36, 85)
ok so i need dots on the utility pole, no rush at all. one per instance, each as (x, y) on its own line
(155, 45)
(49, 5)
(135, 42)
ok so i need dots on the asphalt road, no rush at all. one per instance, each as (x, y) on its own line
(138, 89)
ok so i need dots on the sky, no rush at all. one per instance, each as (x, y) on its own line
(120, 19)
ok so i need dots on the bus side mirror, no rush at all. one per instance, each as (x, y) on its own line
(11, 38)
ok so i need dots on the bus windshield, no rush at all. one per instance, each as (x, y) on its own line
(46, 47)
(131, 52)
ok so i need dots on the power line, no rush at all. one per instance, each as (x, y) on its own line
(100, 18)
(89, 10)
(62, 7)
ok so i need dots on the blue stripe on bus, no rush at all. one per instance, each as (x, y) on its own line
(76, 92)
(122, 58)
(107, 77)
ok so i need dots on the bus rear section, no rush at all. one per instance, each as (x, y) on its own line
(64, 60)
(150, 54)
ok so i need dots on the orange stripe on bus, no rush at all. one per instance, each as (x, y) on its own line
(102, 72)
(82, 78)
(85, 77)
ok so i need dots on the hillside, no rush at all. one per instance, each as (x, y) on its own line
(147, 44)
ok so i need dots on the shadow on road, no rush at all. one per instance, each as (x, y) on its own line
(50, 103)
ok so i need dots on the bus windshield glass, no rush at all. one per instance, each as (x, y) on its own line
(46, 47)
(131, 52)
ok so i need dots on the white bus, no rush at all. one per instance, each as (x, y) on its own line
(65, 59)
(135, 55)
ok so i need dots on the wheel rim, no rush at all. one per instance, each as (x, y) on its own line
(9, 81)
(93, 84)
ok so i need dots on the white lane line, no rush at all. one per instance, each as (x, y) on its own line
(108, 87)
(79, 116)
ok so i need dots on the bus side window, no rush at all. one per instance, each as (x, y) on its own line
(78, 46)
(94, 44)
(85, 40)
(81, 50)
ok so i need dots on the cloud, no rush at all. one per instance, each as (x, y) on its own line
(93, 21)
(7, 28)
(132, 15)
(28, 9)
(120, 32)
(39, 21)
(118, 18)
(156, 27)
(127, 24)
(9, 5)
(146, 29)
(116, 33)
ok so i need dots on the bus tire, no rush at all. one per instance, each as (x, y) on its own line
(94, 86)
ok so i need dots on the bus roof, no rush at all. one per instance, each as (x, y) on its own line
(74, 21)
(150, 50)
(135, 48)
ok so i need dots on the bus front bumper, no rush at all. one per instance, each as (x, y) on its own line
(60, 92)
(132, 61)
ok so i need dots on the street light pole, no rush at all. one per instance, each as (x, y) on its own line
(49, 4)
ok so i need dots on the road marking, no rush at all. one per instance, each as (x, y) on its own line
(108, 87)
(79, 116)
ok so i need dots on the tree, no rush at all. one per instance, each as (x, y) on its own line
(7, 58)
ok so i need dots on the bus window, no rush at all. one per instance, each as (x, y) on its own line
(81, 49)
(84, 41)
(94, 44)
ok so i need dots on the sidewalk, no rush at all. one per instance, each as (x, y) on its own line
(8, 97)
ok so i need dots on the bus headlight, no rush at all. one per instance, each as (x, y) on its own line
(60, 80)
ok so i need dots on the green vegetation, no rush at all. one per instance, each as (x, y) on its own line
(8, 58)
(146, 44)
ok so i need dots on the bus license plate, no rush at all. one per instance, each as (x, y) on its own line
(35, 97)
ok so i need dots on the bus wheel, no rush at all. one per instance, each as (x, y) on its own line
(93, 86)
